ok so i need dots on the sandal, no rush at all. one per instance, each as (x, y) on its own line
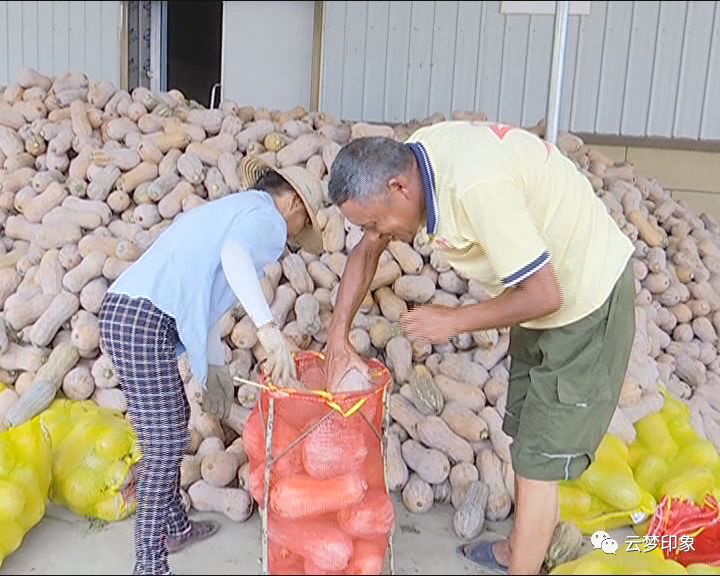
(481, 554)
(200, 530)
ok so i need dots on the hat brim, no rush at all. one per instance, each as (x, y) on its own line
(310, 239)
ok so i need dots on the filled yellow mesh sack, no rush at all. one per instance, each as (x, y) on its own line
(606, 496)
(669, 458)
(25, 457)
(94, 452)
(622, 562)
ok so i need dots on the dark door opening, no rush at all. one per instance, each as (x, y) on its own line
(194, 46)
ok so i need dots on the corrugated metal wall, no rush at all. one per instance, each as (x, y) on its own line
(632, 68)
(57, 37)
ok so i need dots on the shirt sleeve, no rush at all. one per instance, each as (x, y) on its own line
(498, 216)
(243, 279)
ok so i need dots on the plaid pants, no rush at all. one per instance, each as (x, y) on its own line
(140, 341)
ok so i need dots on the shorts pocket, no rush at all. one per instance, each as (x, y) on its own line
(582, 392)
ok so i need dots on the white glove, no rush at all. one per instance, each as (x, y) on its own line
(217, 397)
(280, 363)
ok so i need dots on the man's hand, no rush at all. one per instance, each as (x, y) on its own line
(219, 391)
(340, 359)
(535, 297)
(355, 282)
(431, 323)
(279, 363)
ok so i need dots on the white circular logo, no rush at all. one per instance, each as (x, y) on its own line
(597, 538)
(601, 540)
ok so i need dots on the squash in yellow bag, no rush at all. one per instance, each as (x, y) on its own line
(693, 484)
(702, 569)
(94, 451)
(673, 407)
(650, 473)
(612, 447)
(650, 561)
(573, 501)
(602, 516)
(25, 457)
(654, 433)
(699, 454)
(612, 481)
(636, 452)
(596, 562)
(622, 562)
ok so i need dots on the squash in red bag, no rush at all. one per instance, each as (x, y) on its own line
(311, 568)
(374, 471)
(301, 496)
(281, 559)
(288, 462)
(256, 483)
(368, 557)
(319, 540)
(374, 466)
(335, 446)
(298, 411)
(374, 516)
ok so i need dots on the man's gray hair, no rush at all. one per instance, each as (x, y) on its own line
(363, 168)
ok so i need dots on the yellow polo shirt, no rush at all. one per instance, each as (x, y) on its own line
(501, 203)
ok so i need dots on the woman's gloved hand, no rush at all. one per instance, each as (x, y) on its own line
(280, 363)
(217, 398)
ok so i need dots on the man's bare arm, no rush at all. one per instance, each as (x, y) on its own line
(354, 284)
(359, 271)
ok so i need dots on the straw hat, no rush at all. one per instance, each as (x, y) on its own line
(305, 185)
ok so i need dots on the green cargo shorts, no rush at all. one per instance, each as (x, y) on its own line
(565, 385)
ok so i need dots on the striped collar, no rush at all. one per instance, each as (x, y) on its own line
(428, 177)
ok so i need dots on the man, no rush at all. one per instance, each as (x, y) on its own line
(511, 212)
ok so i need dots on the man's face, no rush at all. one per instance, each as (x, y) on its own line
(396, 214)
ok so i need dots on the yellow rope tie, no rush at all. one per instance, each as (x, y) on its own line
(328, 397)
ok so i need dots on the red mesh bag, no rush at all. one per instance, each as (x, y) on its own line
(302, 496)
(372, 517)
(335, 446)
(677, 519)
(328, 507)
(368, 557)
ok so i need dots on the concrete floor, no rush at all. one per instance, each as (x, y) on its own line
(66, 544)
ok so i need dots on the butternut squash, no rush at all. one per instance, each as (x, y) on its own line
(78, 383)
(461, 476)
(470, 396)
(61, 309)
(464, 422)
(396, 471)
(469, 519)
(463, 370)
(46, 383)
(417, 495)
(435, 433)
(430, 465)
(491, 473)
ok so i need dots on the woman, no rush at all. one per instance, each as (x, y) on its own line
(171, 301)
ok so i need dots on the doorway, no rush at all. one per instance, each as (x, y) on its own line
(194, 47)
